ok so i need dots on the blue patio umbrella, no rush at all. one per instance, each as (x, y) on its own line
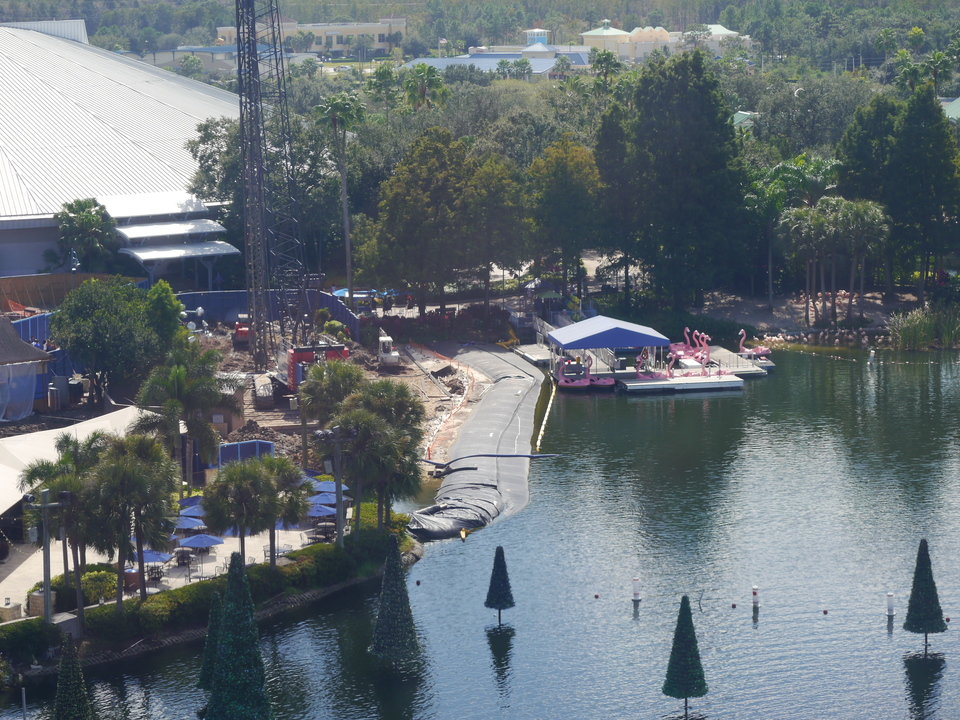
(153, 556)
(201, 541)
(325, 498)
(320, 511)
(195, 512)
(326, 486)
(185, 522)
(191, 501)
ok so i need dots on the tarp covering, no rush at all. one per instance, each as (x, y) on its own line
(17, 384)
(605, 332)
(501, 423)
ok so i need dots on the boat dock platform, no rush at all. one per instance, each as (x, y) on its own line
(538, 355)
(680, 383)
(739, 365)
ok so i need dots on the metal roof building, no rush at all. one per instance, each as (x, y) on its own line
(79, 122)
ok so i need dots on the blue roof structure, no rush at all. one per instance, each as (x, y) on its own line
(605, 332)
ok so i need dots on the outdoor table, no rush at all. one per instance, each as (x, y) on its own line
(183, 556)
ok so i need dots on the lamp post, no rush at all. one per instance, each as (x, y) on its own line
(65, 497)
(74, 266)
(336, 437)
(192, 326)
(443, 468)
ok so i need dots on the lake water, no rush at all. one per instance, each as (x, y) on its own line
(815, 484)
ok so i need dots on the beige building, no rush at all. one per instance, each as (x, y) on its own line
(637, 45)
(338, 39)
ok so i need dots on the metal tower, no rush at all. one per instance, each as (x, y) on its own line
(271, 212)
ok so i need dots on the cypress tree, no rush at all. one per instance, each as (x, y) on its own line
(239, 684)
(684, 671)
(923, 612)
(72, 702)
(209, 665)
(394, 635)
(499, 596)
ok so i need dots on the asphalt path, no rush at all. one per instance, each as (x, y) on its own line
(478, 490)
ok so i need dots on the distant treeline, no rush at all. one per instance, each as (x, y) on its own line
(822, 33)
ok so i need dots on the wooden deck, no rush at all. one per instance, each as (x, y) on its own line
(538, 355)
(736, 364)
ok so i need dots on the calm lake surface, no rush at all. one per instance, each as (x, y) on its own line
(816, 484)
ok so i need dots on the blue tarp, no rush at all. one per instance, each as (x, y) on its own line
(605, 332)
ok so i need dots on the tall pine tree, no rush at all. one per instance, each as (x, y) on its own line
(394, 635)
(499, 596)
(684, 671)
(209, 665)
(239, 684)
(72, 702)
(923, 612)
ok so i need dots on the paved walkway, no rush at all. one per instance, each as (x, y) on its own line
(24, 567)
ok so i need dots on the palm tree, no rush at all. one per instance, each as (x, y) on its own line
(424, 88)
(373, 455)
(336, 115)
(522, 69)
(504, 69)
(939, 66)
(562, 66)
(243, 498)
(75, 459)
(326, 386)
(909, 73)
(382, 86)
(606, 64)
(87, 229)
(885, 42)
(131, 491)
(185, 390)
(292, 490)
(397, 474)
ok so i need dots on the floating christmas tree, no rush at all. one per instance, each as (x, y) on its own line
(684, 671)
(499, 596)
(209, 666)
(394, 635)
(923, 612)
(72, 702)
(239, 683)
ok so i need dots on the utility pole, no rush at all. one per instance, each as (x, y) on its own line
(45, 506)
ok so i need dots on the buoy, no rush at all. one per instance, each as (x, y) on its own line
(824, 612)
(636, 593)
(733, 605)
(947, 619)
(890, 612)
(463, 534)
(756, 596)
(418, 583)
(596, 596)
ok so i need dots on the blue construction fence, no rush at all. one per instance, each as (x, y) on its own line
(226, 305)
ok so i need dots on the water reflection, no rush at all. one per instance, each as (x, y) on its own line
(923, 673)
(500, 639)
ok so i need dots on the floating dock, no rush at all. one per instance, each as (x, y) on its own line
(681, 383)
(731, 362)
(538, 355)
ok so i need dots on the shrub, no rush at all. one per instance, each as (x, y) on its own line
(66, 598)
(98, 584)
(102, 622)
(22, 642)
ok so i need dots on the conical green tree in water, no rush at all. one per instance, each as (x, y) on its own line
(923, 612)
(72, 702)
(239, 684)
(394, 635)
(209, 664)
(684, 671)
(499, 596)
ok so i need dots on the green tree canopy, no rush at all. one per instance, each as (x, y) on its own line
(243, 499)
(103, 325)
(86, 229)
(72, 701)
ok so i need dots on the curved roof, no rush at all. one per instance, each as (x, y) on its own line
(83, 122)
(606, 332)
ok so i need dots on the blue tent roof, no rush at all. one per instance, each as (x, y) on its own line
(605, 332)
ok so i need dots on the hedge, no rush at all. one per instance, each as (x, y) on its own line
(24, 641)
(314, 566)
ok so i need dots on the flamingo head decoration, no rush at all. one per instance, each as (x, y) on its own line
(743, 336)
